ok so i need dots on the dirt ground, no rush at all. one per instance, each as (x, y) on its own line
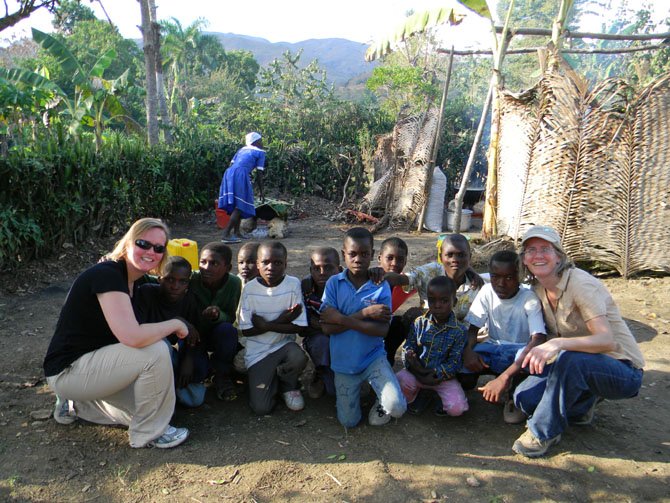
(307, 456)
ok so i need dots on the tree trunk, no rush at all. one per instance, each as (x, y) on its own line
(160, 81)
(150, 67)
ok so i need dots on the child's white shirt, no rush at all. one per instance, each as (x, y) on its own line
(508, 320)
(268, 302)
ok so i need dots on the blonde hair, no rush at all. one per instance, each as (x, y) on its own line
(120, 251)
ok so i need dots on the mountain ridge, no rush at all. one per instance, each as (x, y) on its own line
(342, 59)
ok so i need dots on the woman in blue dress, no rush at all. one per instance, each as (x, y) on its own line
(236, 195)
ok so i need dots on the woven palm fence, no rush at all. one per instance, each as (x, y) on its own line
(592, 162)
(402, 160)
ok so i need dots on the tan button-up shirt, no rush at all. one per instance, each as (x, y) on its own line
(581, 298)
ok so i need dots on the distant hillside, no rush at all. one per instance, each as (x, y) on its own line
(342, 59)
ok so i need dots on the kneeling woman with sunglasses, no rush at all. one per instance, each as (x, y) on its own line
(104, 366)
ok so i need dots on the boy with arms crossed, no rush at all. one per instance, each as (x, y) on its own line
(356, 313)
(271, 314)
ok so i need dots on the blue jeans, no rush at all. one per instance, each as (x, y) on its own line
(193, 395)
(569, 387)
(497, 356)
(223, 343)
(384, 383)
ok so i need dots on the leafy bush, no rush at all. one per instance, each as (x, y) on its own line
(60, 191)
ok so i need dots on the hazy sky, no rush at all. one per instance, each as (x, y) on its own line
(274, 20)
(295, 20)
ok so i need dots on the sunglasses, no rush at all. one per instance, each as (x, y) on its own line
(146, 245)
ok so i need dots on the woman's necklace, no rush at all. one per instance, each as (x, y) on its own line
(554, 298)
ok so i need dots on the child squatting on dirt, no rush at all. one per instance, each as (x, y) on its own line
(169, 299)
(513, 318)
(432, 353)
(270, 316)
(324, 263)
(356, 313)
(217, 293)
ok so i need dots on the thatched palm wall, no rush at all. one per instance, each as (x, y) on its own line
(594, 163)
(402, 159)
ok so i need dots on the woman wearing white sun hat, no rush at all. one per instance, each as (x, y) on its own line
(590, 353)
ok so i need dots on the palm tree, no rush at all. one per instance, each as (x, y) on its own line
(188, 53)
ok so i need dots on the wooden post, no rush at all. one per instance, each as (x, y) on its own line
(500, 47)
(436, 142)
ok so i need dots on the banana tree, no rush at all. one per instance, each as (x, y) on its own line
(420, 22)
(24, 97)
(423, 21)
(93, 95)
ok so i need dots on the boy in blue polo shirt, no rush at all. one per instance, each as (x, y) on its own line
(356, 313)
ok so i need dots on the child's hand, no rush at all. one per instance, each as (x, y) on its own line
(193, 337)
(472, 361)
(186, 369)
(377, 312)
(259, 322)
(330, 315)
(315, 322)
(376, 274)
(289, 315)
(430, 378)
(211, 313)
(412, 360)
(493, 391)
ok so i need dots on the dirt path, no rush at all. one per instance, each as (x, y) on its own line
(307, 456)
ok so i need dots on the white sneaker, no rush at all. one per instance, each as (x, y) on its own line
(64, 411)
(171, 437)
(294, 400)
(377, 415)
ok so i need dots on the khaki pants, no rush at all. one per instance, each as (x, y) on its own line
(118, 384)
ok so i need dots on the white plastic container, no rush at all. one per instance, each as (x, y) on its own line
(435, 205)
(466, 220)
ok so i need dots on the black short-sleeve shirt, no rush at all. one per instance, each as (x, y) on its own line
(82, 327)
(151, 307)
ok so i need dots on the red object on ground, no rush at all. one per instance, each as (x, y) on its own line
(222, 217)
(362, 217)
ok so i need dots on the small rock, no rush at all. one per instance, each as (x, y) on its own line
(35, 424)
(86, 488)
(41, 414)
(433, 494)
(472, 481)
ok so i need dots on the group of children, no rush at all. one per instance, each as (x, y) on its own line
(345, 315)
